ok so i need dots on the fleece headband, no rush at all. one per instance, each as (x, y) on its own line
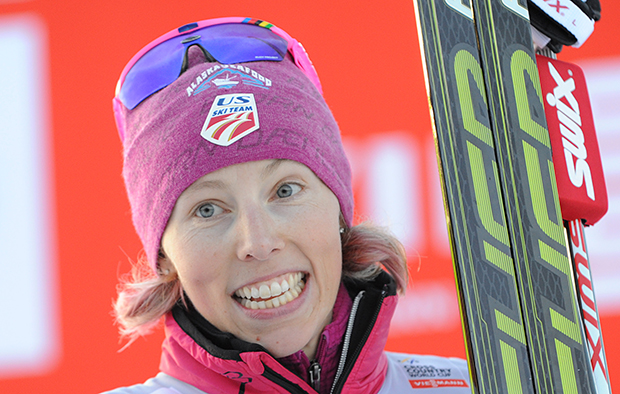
(214, 116)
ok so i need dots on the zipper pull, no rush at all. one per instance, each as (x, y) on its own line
(314, 373)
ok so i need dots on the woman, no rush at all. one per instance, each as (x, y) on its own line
(241, 194)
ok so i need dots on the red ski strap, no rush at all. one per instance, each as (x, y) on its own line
(576, 157)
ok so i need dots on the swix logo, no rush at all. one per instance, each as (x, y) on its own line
(231, 117)
(461, 8)
(573, 139)
(590, 316)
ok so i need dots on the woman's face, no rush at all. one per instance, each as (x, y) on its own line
(257, 249)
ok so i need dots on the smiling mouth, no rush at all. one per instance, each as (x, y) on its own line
(272, 295)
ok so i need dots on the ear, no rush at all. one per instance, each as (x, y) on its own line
(165, 267)
(342, 223)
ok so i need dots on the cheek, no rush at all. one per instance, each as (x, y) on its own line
(323, 243)
(321, 219)
(197, 263)
(205, 285)
(200, 268)
(333, 266)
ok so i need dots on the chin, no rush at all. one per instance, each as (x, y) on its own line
(279, 350)
(284, 341)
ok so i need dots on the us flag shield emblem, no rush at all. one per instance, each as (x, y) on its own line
(231, 117)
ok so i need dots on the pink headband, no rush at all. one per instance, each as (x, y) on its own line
(214, 116)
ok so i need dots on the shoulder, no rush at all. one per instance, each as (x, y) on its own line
(438, 375)
(160, 384)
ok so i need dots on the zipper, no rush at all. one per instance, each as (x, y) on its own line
(282, 382)
(338, 381)
(347, 338)
(314, 373)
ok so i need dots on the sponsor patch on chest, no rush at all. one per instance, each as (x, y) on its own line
(427, 376)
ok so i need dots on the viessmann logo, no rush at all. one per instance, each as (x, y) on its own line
(437, 383)
(231, 117)
(573, 139)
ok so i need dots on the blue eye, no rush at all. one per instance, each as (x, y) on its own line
(207, 210)
(287, 190)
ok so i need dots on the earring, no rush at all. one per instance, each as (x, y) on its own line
(341, 230)
(165, 272)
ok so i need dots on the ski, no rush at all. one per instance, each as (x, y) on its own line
(514, 279)
(581, 186)
(555, 335)
(589, 309)
(484, 268)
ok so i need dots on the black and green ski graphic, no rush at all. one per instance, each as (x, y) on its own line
(515, 281)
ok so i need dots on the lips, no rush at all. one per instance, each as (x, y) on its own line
(273, 294)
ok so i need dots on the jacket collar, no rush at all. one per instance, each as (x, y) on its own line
(217, 362)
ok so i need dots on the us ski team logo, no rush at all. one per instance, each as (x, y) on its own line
(231, 117)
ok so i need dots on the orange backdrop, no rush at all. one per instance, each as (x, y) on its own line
(367, 56)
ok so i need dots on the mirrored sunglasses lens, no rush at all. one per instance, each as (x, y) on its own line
(157, 69)
(236, 43)
(227, 43)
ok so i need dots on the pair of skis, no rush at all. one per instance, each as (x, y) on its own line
(516, 283)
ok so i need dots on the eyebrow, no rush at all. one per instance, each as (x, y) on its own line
(205, 185)
(271, 167)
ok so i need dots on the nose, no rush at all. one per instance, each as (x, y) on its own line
(258, 234)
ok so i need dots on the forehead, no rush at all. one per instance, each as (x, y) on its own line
(260, 170)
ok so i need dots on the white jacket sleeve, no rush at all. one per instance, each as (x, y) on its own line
(160, 384)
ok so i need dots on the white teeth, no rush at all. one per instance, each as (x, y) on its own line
(276, 290)
(264, 292)
(273, 295)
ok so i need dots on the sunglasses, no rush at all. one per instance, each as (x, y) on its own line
(223, 40)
